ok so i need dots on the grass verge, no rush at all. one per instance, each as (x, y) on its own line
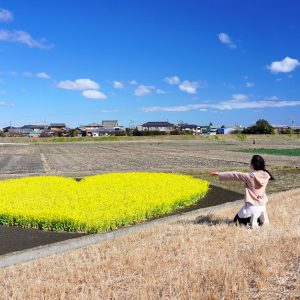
(288, 152)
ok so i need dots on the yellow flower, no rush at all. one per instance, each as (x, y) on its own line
(96, 203)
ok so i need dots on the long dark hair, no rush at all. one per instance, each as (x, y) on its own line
(258, 164)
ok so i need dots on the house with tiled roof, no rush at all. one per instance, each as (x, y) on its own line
(158, 126)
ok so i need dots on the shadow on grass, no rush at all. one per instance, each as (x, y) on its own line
(208, 220)
(211, 220)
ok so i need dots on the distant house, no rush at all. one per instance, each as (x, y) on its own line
(195, 129)
(33, 130)
(57, 127)
(97, 132)
(285, 128)
(225, 130)
(209, 129)
(12, 131)
(109, 124)
(91, 126)
(158, 126)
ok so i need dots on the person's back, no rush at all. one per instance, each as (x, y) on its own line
(254, 209)
(255, 184)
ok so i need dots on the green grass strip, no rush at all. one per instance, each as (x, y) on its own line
(288, 152)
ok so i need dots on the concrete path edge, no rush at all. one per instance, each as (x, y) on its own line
(75, 243)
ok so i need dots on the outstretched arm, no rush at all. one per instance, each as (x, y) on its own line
(231, 176)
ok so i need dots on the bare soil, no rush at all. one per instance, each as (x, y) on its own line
(196, 157)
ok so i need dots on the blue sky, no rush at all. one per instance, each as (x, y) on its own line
(225, 62)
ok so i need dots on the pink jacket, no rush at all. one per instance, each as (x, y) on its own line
(255, 184)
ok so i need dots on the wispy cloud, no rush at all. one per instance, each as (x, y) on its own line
(272, 98)
(94, 94)
(42, 75)
(159, 91)
(27, 74)
(108, 111)
(6, 15)
(284, 66)
(79, 84)
(133, 82)
(224, 38)
(174, 80)
(250, 84)
(189, 87)
(143, 90)
(118, 85)
(3, 103)
(22, 37)
(238, 101)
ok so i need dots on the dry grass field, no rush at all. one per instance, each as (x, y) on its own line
(202, 258)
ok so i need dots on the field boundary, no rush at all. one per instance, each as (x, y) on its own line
(75, 243)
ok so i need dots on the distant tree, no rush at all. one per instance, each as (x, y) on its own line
(261, 127)
(136, 132)
(73, 132)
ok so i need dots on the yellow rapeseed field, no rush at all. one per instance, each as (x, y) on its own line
(96, 203)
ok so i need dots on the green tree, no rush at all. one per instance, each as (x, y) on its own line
(261, 127)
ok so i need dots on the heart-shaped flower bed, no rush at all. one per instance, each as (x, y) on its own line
(96, 203)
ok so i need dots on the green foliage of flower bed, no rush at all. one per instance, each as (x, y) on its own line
(96, 203)
(289, 152)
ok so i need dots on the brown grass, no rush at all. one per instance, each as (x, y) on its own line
(206, 258)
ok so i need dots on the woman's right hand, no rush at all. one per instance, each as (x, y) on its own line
(213, 173)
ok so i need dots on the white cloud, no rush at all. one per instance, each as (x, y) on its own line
(250, 84)
(118, 85)
(133, 82)
(159, 91)
(272, 98)
(79, 84)
(189, 87)
(42, 75)
(3, 103)
(93, 94)
(224, 38)
(107, 111)
(22, 37)
(284, 66)
(239, 97)
(174, 80)
(143, 90)
(238, 101)
(6, 15)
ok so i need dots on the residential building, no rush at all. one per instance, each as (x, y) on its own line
(57, 127)
(33, 130)
(109, 124)
(91, 126)
(195, 129)
(158, 126)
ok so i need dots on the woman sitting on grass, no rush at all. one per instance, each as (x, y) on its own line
(254, 211)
